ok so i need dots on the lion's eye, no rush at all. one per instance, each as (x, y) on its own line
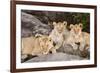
(64, 24)
(50, 40)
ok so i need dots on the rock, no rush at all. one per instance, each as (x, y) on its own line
(68, 49)
(31, 25)
(26, 32)
(54, 57)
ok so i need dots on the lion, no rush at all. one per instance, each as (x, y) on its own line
(78, 38)
(69, 39)
(81, 37)
(36, 45)
(57, 34)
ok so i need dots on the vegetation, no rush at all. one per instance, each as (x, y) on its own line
(70, 17)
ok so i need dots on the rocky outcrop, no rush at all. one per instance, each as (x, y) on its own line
(31, 25)
(54, 57)
(68, 49)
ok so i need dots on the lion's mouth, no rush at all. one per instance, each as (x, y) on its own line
(60, 31)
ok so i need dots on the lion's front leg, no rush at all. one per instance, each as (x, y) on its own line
(75, 46)
(24, 56)
(82, 46)
(53, 50)
(87, 47)
(57, 46)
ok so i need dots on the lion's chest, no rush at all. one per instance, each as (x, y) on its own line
(56, 37)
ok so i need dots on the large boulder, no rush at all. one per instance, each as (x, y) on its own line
(68, 49)
(31, 25)
(55, 57)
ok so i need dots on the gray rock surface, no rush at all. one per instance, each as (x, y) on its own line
(55, 57)
(68, 49)
(31, 25)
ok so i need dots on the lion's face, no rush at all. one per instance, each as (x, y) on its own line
(60, 27)
(76, 29)
(46, 43)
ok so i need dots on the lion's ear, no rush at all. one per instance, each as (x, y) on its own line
(38, 35)
(49, 23)
(71, 26)
(54, 23)
(81, 25)
(65, 23)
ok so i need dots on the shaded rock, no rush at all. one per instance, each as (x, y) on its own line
(26, 32)
(54, 57)
(32, 25)
(69, 50)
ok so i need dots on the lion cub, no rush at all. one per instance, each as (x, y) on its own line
(57, 34)
(37, 45)
(70, 39)
(80, 37)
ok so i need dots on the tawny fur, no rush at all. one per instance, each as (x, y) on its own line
(37, 45)
(77, 36)
(57, 34)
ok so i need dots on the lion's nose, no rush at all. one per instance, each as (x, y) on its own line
(54, 43)
(78, 43)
